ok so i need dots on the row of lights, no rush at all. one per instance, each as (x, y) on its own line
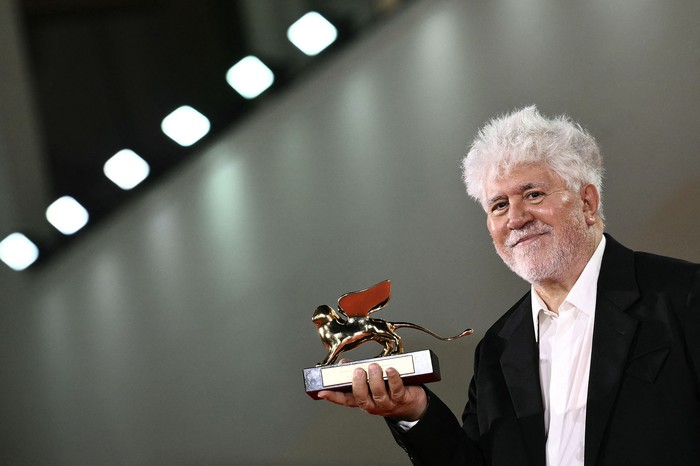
(250, 77)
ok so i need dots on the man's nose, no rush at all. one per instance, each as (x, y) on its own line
(518, 215)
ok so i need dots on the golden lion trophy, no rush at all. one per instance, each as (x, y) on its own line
(351, 326)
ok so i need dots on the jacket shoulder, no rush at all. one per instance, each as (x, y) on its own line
(505, 324)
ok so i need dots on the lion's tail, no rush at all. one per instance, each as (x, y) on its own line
(468, 331)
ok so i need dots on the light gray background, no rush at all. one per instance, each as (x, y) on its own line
(175, 332)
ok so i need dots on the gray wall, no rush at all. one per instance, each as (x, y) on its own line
(176, 332)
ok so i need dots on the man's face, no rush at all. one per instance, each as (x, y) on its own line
(537, 225)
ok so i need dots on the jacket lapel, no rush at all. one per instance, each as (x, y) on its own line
(613, 334)
(520, 366)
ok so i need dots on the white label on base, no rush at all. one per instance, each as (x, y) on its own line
(343, 374)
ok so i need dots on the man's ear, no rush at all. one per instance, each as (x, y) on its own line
(591, 202)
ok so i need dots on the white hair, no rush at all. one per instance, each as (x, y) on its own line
(525, 136)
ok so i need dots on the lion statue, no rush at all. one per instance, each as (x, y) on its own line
(352, 325)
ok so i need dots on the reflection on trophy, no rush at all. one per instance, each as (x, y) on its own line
(351, 326)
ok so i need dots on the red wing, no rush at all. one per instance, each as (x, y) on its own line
(364, 302)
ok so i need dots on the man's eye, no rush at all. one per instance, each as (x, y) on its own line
(499, 206)
(534, 195)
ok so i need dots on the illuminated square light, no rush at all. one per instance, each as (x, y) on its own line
(126, 169)
(185, 125)
(250, 77)
(67, 215)
(312, 33)
(18, 251)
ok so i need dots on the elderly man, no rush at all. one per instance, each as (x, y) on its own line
(599, 364)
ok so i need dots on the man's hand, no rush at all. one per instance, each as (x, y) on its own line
(397, 401)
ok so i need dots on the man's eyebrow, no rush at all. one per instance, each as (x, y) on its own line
(496, 198)
(520, 189)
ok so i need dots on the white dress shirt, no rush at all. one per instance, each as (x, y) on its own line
(565, 340)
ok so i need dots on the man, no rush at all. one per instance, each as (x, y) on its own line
(599, 364)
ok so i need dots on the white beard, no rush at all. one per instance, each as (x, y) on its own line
(551, 257)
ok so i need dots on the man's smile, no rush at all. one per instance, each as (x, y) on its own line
(525, 239)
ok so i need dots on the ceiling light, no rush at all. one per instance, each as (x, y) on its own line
(312, 33)
(67, 215)
(18, 252)
(250, 77)
(185, 126)
(126, 169)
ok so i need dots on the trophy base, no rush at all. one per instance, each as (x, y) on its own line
(415, 368)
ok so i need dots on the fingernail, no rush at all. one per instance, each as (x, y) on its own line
(374, 369)
(359, 374)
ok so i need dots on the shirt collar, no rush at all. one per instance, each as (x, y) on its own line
(583, 294)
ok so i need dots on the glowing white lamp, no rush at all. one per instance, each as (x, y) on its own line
(250, 77)
(67, 215)
(185, 125)
(18, 251)
(312, 33)
(126, 169)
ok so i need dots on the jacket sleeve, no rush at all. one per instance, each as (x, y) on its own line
(691, 326)
(438, 438)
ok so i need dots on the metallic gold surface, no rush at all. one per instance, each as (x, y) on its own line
(342, 331)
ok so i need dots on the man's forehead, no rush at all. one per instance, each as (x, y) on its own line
(520, 178)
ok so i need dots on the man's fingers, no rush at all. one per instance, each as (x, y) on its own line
(339, 398)
(377, 385)
(370, 390)
(374, 395)
(360, 390)
(396, 387)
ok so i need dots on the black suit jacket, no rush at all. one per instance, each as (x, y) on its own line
(644, 388)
